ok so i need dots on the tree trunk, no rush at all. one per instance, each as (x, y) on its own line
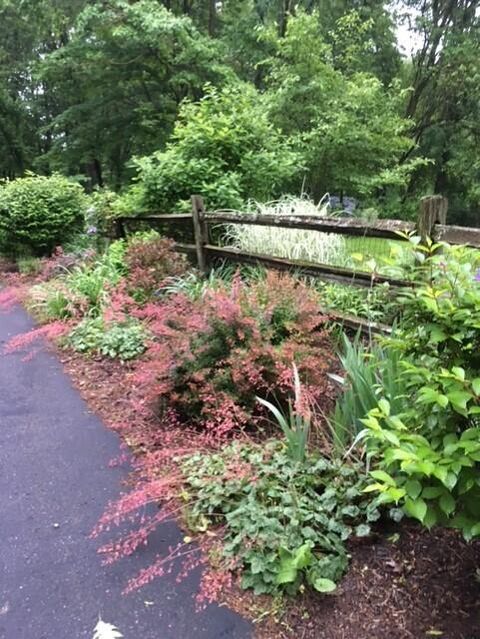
(286, 8)
(212, 17)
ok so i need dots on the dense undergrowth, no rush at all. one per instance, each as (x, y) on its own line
(270, 449)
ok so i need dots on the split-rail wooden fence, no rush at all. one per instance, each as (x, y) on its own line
(431, 222)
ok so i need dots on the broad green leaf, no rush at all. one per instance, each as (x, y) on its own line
(396, 494)
(413, 488)
(447, 503)
(476, 385)
(430, 518)
(373, 487)
(450, 480)
(416, 508)
(459, 373)
(437, 335)
(381, 475)
(324, 585)
(384, 406)
(432, 492)
(459, 399)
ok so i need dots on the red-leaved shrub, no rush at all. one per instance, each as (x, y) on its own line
(150, 262)
(212, 357)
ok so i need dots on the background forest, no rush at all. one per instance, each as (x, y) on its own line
(244, 99)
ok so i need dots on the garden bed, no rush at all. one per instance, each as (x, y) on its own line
(404, 583)
(227, 392)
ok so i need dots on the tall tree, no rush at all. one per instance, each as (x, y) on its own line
(125, 70)
(444, 98)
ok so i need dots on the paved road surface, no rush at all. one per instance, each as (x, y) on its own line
(54, 458)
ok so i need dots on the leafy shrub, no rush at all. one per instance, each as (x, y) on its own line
(283, 523)
(101, 211)
(123, 341)
(150, 260)
(224, 148)
(214, 355)
(427, 452)
(37, 213)
(374, 304)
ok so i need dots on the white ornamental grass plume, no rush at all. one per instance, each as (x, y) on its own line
(293, 244)
(104, 630)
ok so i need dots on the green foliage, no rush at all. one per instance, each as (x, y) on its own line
(427, 451)
(441, 317)
(122, 73)
(223, 147)
(29, 265)
(92, 281)
(52, 301)
(38, 213)
(81, 289)
(84, 87)
(284, 523)
(374, 304)
(295, 425)
(349, 129)
(125, 340)
(368, 374)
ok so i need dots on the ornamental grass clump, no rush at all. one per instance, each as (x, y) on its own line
(293, 244)
(212, 356)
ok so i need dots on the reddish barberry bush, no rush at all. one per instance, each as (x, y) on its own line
(150, 262)
(212, 357)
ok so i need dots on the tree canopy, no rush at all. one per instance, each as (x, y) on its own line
(312, 94)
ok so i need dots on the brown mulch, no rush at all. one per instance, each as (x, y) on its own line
(423, 584)
(408, 584)
(103, 383)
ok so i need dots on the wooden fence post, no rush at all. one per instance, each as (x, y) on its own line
(433, 210)
(201, 232)
(119, 229)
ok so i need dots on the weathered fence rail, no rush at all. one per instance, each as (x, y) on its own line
(431, 222)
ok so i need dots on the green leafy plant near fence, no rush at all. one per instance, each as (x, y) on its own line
(427, 450)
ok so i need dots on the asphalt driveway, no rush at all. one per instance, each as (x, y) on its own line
(54, 484)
